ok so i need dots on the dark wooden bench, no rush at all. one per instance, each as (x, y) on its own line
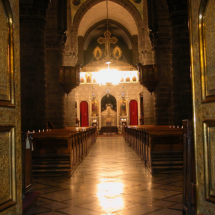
(61, 150)
(109, 129)
(161, 147)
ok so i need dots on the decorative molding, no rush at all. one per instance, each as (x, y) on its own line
(100, 64)
(209, 158)
(7, 94)
(7, 166)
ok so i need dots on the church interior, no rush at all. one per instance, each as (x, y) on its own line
(107, 107)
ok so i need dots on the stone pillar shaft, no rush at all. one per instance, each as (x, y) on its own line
(182, 105)
(162, 93)
(135, 51)
(32, 60)
(55, 92)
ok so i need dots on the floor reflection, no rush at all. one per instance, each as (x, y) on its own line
(110, 195)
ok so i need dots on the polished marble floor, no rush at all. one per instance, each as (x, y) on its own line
(112, 180)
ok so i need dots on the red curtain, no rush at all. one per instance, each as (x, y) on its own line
(133, 112)
(84, 114)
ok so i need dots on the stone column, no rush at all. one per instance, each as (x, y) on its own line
(162, 93)
(139, 106)
(90, 111)
(100, 118)
(135, 51)
(55, 92)
(55, 40)
(182, 99)
(117, 108)
(32, 63)
(78, 110)
(81, 50)
(127, 111)
(160, 38)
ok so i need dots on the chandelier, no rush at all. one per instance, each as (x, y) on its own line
(108, 76)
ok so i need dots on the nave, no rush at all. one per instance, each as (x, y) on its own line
(112, 180)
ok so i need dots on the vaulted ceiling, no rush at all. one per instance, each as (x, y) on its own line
(99, 12)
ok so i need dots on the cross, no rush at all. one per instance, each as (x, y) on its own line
(107, 40)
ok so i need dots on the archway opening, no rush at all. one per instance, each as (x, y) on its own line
(108, 111)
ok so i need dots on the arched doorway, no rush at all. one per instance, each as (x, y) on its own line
(108, 111)
(133, 107)
(84, 114)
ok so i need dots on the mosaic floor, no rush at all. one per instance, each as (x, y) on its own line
(112, 180)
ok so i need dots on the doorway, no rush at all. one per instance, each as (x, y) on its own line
(133, 107)
(84, 114)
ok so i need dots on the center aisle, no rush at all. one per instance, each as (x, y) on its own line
(112, 180)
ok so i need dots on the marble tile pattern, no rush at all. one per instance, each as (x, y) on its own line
(112, 180)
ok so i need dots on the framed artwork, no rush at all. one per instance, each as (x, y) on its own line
(94, 108)
(122, 107)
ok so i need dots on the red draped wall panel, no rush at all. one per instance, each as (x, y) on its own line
(133, 112)
(84, 114)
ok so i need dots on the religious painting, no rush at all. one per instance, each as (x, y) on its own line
(122, 107)
(76, 2)
(127, 79)
(61, 77)
(82, 80)
(67, 73)
(94, 81)
(94, 108)
(88, 78)
(137, 1)
(134, 79)
(122, 80)
(117, 52)
(97, 53)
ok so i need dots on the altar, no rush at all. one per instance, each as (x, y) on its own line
(108, 117)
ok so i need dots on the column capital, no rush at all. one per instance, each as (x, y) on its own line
(33, 10)
(177, 8)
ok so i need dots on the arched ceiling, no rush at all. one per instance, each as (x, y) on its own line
(99, 12)
(113, 28)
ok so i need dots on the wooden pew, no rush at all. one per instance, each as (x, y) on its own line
(160, 147)
(61, 150)
(164, 149)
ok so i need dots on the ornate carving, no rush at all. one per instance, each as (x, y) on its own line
(69, 77)
(100, 64)
(35, 11)
(107, 40)
(56, 45)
